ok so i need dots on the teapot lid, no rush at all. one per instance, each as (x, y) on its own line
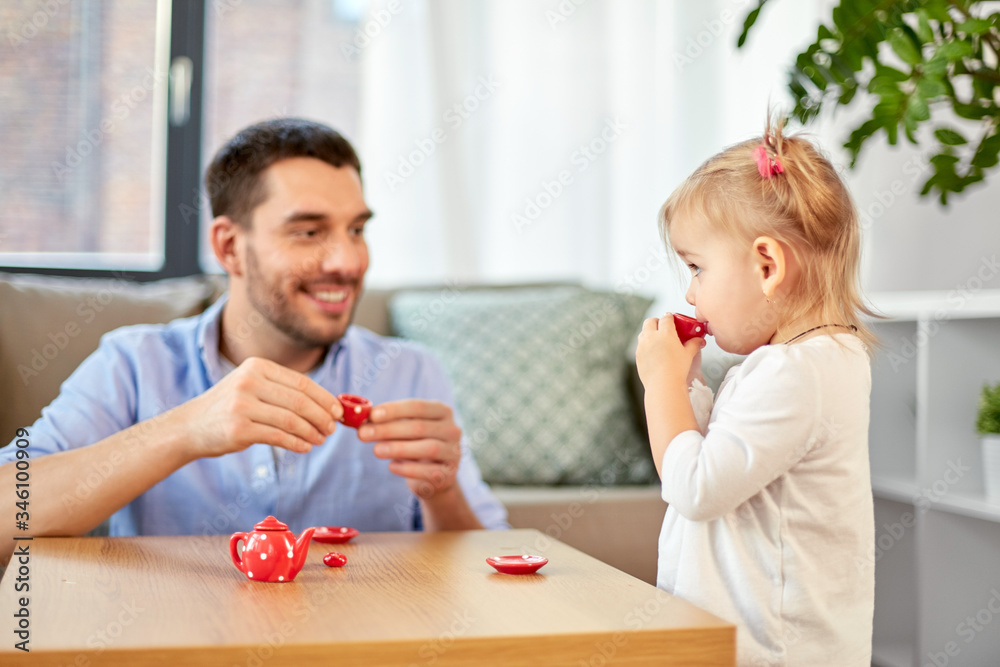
(270, 523)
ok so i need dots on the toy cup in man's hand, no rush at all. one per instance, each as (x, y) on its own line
(356, 409)
(688, 328)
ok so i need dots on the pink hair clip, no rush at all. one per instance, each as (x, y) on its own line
(766, 165)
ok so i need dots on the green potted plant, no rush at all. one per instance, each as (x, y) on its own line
(988, 426)
(921, 64)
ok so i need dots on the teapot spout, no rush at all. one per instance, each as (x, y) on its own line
(301, 550)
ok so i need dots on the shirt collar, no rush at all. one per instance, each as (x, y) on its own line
(216, 366)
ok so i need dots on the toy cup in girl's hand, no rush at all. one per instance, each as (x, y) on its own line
(688, 328)
(356, 409)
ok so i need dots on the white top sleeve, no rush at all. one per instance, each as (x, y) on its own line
(758, 434)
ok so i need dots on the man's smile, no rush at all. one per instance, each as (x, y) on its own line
(330, 296)
(331, 299)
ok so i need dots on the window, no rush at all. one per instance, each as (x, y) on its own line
(83, 100)
(263, 63)
(104, 105)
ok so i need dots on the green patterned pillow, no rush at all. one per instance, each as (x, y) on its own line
(540, 378)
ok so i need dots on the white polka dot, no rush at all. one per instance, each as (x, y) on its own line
(250, 574)
(357, 409)
(291, 555)
(263, 537)
(281, 578)
(263, 556)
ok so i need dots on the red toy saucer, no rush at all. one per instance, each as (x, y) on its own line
(356, 409)
(688, 327)
(334, 534)
(517, 564)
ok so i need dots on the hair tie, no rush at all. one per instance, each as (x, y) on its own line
(766, 165)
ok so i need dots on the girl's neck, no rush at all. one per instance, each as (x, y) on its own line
(787, 331)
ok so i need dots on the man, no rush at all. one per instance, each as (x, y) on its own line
(210, 423)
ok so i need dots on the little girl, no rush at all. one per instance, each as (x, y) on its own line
(770, 500)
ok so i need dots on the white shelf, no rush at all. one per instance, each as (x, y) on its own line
(944, 304)
(895, 488)
(892, 654)
(905, 490)
(976, 506)
(938, 348)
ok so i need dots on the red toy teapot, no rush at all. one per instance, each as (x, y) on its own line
(270, 552)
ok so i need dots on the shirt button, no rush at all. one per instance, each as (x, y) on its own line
(261, 471)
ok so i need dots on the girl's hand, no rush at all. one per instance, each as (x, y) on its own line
(695, 372)
(660, 356)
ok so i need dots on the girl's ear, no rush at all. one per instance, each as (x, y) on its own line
(227, 238)
(769, 264)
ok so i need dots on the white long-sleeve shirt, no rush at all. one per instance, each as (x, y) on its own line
(770, 520)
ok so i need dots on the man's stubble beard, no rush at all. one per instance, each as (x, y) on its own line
(271, 302)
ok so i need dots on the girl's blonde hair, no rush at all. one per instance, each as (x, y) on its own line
(806, 205)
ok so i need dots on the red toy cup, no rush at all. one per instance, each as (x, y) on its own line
(356, 409)
(688, 328)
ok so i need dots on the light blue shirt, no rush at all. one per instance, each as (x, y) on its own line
(139, 372)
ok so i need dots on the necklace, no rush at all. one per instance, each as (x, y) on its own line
(851, 327)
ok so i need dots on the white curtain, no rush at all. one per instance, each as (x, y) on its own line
(574, 121)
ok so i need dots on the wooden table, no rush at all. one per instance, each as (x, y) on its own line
(410, 599)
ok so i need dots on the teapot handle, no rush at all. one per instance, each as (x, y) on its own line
(237, 561)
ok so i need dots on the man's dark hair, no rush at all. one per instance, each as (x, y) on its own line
(233, 180)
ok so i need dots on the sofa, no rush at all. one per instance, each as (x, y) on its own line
(48, 325)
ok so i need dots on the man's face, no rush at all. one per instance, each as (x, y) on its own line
(305, 251)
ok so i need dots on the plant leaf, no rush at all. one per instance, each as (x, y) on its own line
(910, 128)
(949, 137)
(988, 412)
(969, 111)
(924, 27)
(935, 66)
(823, 32)
(847, 95)
(904, 48)
(945, 161)
(931, 87)
(859, 136)
(988, 153)
(917, 107)
(887, 72)
(953, 50)
(748, 23)
(982, 88)
(974, 26)
(938, 10)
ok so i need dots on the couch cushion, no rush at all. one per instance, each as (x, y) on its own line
(49, 325)
(540, 379)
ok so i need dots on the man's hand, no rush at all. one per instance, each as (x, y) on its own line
(421, 441)
(259, 402)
